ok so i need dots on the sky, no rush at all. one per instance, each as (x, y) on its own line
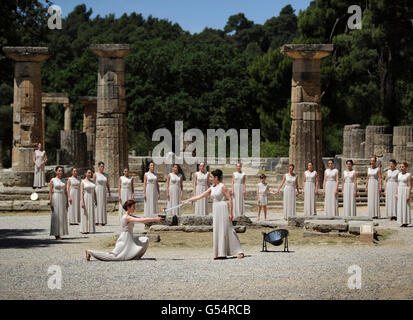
(191, 15)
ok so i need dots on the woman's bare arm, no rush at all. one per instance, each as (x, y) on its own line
(142, 220)
(51, 193)
(200, 196)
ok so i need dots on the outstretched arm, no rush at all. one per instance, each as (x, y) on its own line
(142, 220)
(202, 195)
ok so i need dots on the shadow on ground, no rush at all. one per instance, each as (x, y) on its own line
(9, 238)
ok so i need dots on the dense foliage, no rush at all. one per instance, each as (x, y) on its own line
(230, 78)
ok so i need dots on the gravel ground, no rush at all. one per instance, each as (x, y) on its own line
(309, 272)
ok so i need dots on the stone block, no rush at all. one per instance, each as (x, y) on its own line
(152, 236)
(325, 225)
(194, 220)
(165, 228)
(296, 222)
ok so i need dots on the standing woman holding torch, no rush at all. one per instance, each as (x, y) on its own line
(225, 240)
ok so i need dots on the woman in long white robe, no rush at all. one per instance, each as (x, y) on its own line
(73, 193)
(225, 239)
(310, 190)
(88, 203)
(126, 247)
(126, 190)
(330, 190)
(39, 160)
(239, 189)
(373, 189)
(151, 193)
(390, 187)
(58, 204)
(404, 189)
(201, 184)
(291, 185)
(349, 190)
(101, 180)
(174, 190)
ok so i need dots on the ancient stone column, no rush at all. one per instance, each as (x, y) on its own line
(357, 138)
(347, 141)
(111, 117)
(1, 154)
(409, 156)
(68, 116)
(401, 136)
(89, 125)
(371, 132)
(383, 143)
(44, 105)
(72, 148)
(306, 127)
(27, 104)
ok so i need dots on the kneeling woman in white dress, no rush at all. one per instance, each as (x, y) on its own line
(126, 248)
(225, 239)
(404, 189)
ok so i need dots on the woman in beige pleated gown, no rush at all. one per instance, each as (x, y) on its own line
(404, 189)
(290, 194)
(238, 191)
(151, 193)
(225, 239)
(310, 190)
(390, 186)
(349, 190)
(201, 184)
(39, 160)
(330, 190)
(58, 204)
(174, 190)
(373, 189)
(126, 248)
(73, 192)
(126, 190)
(88, 204)
(102, 192)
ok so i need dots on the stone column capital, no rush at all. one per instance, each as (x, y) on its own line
(116, 50)
(307, 51)
(27, 54)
